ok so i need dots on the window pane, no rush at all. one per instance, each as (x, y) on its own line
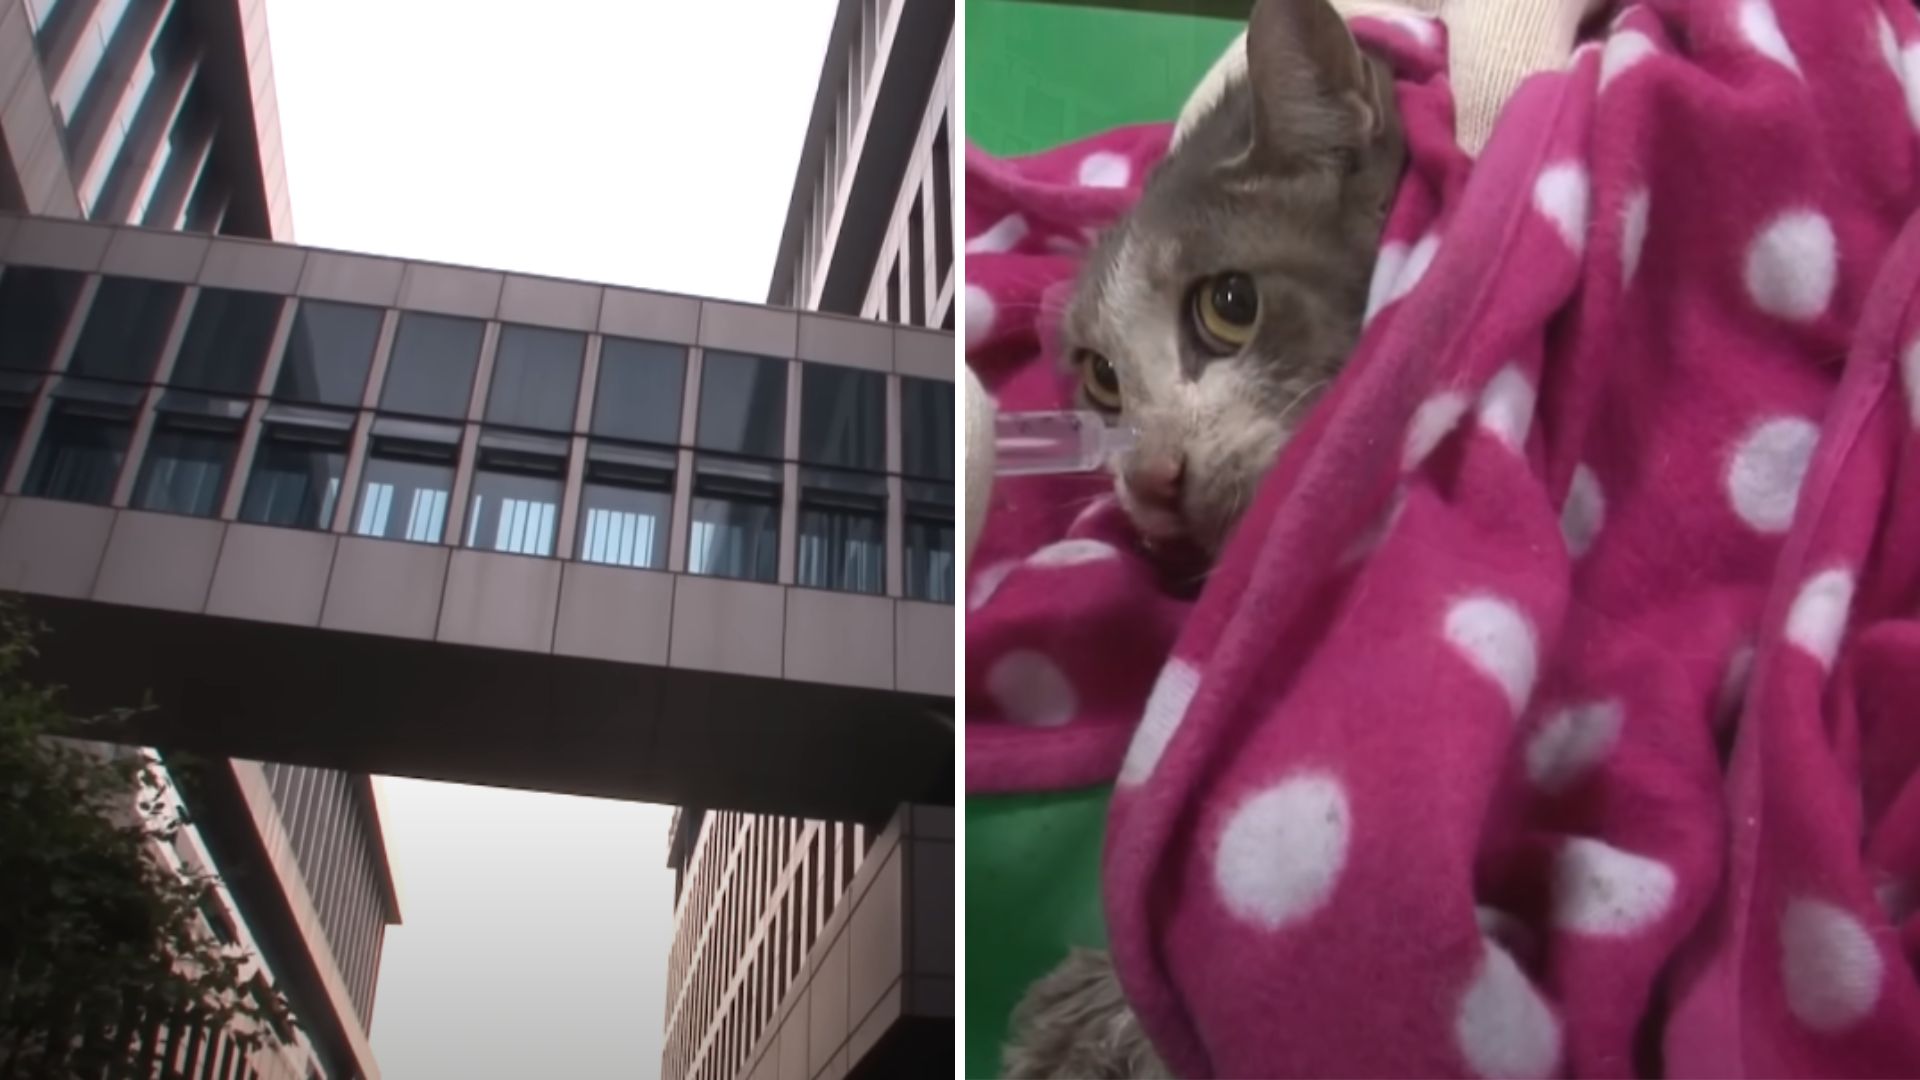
(329, 353)
(126, 329)
(843, 532)
(536, 378)
(404, 500)
(513, 512)
(431, 373)
(227, 341)
(79, 458)
(294, 483)
(637, 395)
(35, 305)
(12, 419)
(625, 526)
(734, 538)
(743, 404)
(926, 428)
(843, 417)
(929, 542)
(185, 471)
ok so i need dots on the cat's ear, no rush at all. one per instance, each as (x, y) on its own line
(1315, 97)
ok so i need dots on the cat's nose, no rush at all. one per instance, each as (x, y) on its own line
(1156, 481)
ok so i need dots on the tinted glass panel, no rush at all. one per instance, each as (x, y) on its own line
(185, 471)
(734, 538)
(843, 417)
(34, 307)
(227, 341)
(929, 543)
(404, 500)
(513, 512)
(843, 532)
(625, 526)
(12, 419)
(743, 404)
(126, 329)
(926, 428)
(431, 373)
(329, 353)
(294, 483)
(536, 377)
(79, 458)
(637, 395)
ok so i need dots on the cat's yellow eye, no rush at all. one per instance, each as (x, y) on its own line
(1225, 308)
(1098, 378)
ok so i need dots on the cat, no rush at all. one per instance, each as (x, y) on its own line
(1231, 294)
(1207, 318)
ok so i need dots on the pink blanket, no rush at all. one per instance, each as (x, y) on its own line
(1556, 708)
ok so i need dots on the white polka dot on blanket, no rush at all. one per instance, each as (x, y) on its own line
(1584, 512)
(1282, 850)
(1073, 553)
(1603, 891)
(1418, 27)
(1625, 49)
(1503, 1028)
(1419, 258)
(980, 314)
(1166, 709)
(1762, 31)
(1031, 689)
(1386, 276)
(1571, 742)
(1633, 233)
(1792, 265)
(987, 582)
(1493, 636)
(1889, 42)
(1560, 194)
(1766, 470)
(1910, 371)
(1910, 78)
(1105, 169)
(1432, 421)
(1818, 617)
(1002, 236)
(1506, 407)
(1830, 966)
(1376, 534)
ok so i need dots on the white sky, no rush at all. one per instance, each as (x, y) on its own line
(637, 142)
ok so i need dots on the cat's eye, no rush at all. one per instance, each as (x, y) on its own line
(1098, 379)
(1224, 309)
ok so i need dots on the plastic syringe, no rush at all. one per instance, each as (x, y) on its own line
(1053, 443)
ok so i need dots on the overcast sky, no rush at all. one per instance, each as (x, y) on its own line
(637, 142)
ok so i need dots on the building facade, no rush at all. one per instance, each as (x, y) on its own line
(820, 948)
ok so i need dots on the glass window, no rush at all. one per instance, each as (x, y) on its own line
(80, 455)
(13, 418)
(329, 353)
(843, 417)
(126, 329)
(516, 504)
(431, 372)
(185, 469)
(296, 478)
(637, 395)
(536, 378)
(404, 494)
(926, 428)
(929, 542)
(942, 165)
(843, 532)
(626, 508)
(743, 404)
(735, 531)
(227, 341)
(915, 281)
(35, 305)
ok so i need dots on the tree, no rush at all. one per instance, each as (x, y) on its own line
(108, 966)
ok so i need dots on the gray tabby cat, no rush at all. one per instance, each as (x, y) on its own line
(1233, 291)
(1228, 298)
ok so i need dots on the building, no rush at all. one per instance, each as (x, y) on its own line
(162, 113)
(823, 947)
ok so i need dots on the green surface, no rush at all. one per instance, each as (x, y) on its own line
(1033, 889)
(1042, 74)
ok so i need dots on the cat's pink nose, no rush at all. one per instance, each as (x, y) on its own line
(1156, 481)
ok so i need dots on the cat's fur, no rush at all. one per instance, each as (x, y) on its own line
(1287, 179)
